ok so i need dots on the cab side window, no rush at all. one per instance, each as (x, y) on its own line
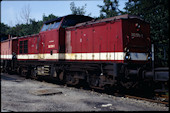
(26, 46)
(20, 47)
(23, 46)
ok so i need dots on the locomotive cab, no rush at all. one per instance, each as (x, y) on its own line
(50, 25)
(52, 36)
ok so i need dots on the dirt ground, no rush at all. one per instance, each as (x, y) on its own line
(20, 94)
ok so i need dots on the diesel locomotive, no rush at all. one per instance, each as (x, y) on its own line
(78, 49)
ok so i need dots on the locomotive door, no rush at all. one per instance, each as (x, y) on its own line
(41, 46)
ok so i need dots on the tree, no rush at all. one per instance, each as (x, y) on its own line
(77, 10)
(35, 26)
(25, 14)
(4, 28)
(32, 27)
(109, 9)
(3, 31)
(49, 17)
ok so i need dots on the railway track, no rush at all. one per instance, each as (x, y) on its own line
(150, 100)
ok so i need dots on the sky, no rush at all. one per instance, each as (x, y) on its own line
(11, 10)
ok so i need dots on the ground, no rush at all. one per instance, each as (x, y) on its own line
(20, 94)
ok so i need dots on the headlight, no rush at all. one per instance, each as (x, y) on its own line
(149, 56)
(127, 57)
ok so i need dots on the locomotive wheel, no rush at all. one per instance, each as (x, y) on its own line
(61, 76)
(33, 74)
(54, 74)
(71, 80)
(22, 72)
(9, 71)
(94, 82)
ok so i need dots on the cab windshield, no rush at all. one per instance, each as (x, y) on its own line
(50, 26)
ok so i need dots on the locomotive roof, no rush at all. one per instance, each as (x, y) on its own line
(53, 20)
(8, 39)
(68, 16)
(77, 16)
(126, 16)
(28, 36)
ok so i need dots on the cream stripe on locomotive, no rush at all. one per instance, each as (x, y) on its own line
(95, 56)
(86, 56)
(76, 56)
(38, 56)
(6, 56)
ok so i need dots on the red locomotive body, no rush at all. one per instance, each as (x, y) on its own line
(109, 40)
(49, 40)
(9, 50)
(8, 47)
(49, 44)
(28, 47)
(78, 49)
(95, 42)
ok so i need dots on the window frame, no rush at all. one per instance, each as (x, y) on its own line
(51, 26)
(20, 47)
(23, 47)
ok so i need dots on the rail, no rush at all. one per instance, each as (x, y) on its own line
(150, 100)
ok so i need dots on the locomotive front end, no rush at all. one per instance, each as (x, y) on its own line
(137, 45)
(137, 52)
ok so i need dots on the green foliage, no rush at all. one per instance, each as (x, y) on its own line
(26, 29)
(49, 17)
(35, 26)
(4, 29)
(109, 9)
(77, 10)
